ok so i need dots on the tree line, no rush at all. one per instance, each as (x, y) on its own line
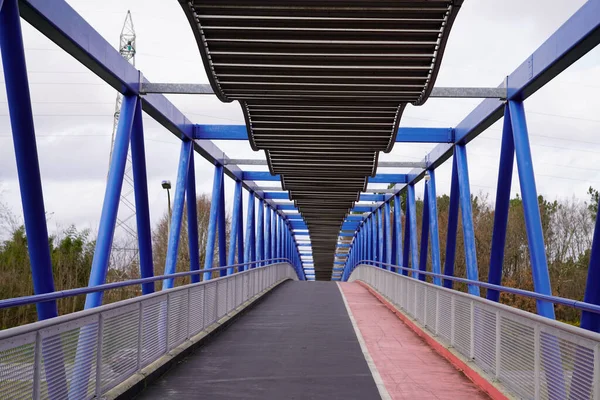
(567, 225)
(72, 251)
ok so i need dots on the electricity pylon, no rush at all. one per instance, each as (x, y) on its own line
(124, 251)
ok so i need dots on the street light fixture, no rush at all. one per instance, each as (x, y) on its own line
(167, 185)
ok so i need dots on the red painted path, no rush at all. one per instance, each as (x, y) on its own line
(409, 368)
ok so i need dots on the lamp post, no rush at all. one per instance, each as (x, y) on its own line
(167, 185)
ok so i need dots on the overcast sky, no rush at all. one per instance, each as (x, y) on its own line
(74, 109)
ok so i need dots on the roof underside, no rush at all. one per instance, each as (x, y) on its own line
(322, 85)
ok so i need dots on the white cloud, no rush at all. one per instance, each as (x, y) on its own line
(73, 108)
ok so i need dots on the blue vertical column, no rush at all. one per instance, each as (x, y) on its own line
(452, 226)
(277, 236)
(533, 221)
(177, 215)
(388, 235)
(236, 226)
(507, 156)
(406, 251)
(412, 224)
(363, 242)
(140, 187)
(589, 320)
(30, 184)
(192, 220)
(222, 231)
(436, 262)
(464, 196)
(249, 242)
(267, 233)
(368, 245)
(380, 256)
(110, 207)
(213, 221)
(240, 232)
(260, 232)
(424, 232)
(273, 233)
(249, 245)
(398, 229)
(28, 168)
(374, 235)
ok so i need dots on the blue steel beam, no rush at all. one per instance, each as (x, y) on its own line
(380, 235)
(411, 224)
(433, 229)
(30, 185)
(260, 232)
(505, 170)
(424, 233)
(24, 142)
(346, 226)
(398, 230)
(222, 231)
(379, 178)
(464, 196)
(236, 225)
(533, 220)
(452, 229)
(177, 215)
(425, 135)
(192, 220)
(267, 233)
(70, 31)
(142, 207)
(112, 196)
(575, 38)
(388, 233)
(249, 244)
(213, 221)
(277, 195)
(589, 320)
(408, 134)
(286, 196)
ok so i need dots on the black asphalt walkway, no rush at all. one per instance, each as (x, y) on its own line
(298, 343)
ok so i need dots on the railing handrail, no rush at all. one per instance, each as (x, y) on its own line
(61, 294)
(36, 326)
(580, 305)
(505, 308)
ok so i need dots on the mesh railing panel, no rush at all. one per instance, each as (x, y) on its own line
(222, 299)
(445, 317)
(210, 303)
(178, 318)
(462, 326)
(196, 311)
(532, 357)
(430, 309)
(119, 345)
(68, 360)
(517, 345)
(153, 329)
(484, 339)
(17, 360)
(83, 356)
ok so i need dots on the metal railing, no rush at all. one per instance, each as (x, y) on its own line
(531, 356)
(85, 354)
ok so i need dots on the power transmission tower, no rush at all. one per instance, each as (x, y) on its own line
(124, 251)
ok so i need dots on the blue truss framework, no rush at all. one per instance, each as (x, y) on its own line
(271, 233)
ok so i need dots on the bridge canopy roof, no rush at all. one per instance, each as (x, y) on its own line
(322, 85)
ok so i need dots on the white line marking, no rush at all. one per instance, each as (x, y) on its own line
(363, 346)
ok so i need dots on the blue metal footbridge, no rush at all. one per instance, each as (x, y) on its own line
(322, 85)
